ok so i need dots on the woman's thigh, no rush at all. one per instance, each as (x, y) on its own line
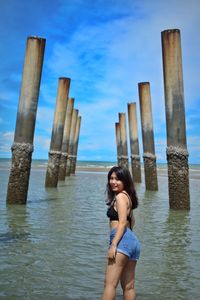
(115, 269)
(128, 275)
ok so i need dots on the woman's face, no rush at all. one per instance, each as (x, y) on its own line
(117, 185)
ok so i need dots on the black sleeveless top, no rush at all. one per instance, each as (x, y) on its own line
(112, 214)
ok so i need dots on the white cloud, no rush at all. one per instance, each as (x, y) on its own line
(44, 120)
(193, 143)
(6, 140)
(107, 48)
(41, 143)
(129, 53)
(9, 96)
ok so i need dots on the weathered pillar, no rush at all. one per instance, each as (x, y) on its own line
(134, 144)
(149, 157)
(177, 154)
(65, 141)
(118, 142)
(124, 146)
(75, 149)
(22, 147)
(71, 141)
(57, 133)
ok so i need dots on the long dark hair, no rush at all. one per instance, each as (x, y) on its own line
(124, 175)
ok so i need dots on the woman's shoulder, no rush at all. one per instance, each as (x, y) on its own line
(122, 196)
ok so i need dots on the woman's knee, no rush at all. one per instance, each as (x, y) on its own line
(128, 286)
(111, 284)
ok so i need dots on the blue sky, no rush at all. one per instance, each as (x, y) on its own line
(106, 48)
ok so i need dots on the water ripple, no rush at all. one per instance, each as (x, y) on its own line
(55, 246)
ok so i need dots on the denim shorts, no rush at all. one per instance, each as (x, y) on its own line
(128, 245)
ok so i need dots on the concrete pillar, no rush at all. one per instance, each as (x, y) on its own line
(70, 157)
(75, 149)
(134, 143)
(65, 141)
(22, 147)
(123, 135)
(118, 142)
(177, 154)
(57, 133)
(149, 157)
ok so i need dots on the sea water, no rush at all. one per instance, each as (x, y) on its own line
(55, 246)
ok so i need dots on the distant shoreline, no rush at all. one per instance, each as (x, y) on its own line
(193, 174)
(101, 167)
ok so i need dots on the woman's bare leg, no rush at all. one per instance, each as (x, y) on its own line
(113, 273)
(128, 280)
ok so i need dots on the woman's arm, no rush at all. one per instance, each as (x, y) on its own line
(122, 206)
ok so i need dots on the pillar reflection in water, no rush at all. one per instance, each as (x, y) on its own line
(176, 251)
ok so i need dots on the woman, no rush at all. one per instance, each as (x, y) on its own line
(124, 249)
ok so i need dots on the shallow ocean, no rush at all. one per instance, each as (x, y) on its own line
(55, 246)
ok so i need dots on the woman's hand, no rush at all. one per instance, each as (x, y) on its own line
(112, 251)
